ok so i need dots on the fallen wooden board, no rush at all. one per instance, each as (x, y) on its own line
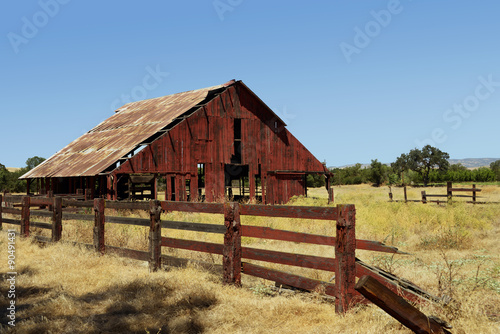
(397, 307)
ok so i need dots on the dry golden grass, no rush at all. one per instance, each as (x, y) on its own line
(455, 252)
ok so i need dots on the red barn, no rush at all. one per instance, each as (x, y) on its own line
(206, 144)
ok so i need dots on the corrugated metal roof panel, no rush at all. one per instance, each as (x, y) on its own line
(118, 135)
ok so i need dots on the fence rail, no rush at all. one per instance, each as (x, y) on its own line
(234, 256)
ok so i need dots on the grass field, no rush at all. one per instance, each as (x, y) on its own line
(455, 251)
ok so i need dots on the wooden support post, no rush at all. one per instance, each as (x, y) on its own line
(155, 235)
(99, 218)
(329, 188)
(424, 197)
(92, 187)
(390, 195)
(109, 187)
(50, 194)
(331, 196)
(194, 188)
(168, 187)
(232, 245)
(345, 248)
(115, 187)
(155, 187)
(251, 183)
(25, 216)
(406, 196)
(397, 306)
(177, 189)
(448, 190)
(57, 219)
(473, 193)
(28, 184)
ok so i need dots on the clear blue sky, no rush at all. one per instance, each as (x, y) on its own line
(354, 80)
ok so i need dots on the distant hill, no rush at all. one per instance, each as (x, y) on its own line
(468, 162)
(12, 169)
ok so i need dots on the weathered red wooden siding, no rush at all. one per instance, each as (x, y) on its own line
(207, 136)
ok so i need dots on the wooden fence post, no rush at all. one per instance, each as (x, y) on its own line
(345, 248)
(406, 196)
(25, 216)
(232, 244)
(474, 193)
(99, 218)
(449, 193)
(397, 306)
(57, 219)
(424, 197)
(154, 235)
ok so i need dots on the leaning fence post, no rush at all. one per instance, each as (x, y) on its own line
(57, 219)
(424, 197)
(25, 216)
(232, 244)
(345, 249)
(99, 218)
(154, 235)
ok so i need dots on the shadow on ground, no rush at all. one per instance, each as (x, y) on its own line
(136, 307)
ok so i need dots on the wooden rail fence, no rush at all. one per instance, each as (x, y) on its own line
(447, 198)
(234, 256)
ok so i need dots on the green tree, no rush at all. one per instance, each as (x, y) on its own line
(315, 180)
(9, 181)
(483, 174)
(33, 162)
(423, 161)
(4, 178)
(378, 173)
(495, 167)
(355, 174)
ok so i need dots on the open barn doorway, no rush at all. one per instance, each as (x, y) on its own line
(236, 181)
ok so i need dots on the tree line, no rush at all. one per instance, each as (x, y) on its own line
(419, 166)
(9, 181)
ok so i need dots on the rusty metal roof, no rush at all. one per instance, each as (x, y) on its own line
(119, 135)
